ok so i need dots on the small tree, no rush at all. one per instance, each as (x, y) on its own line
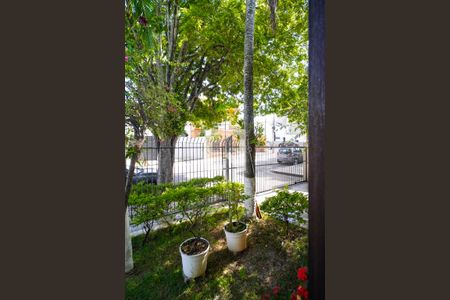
(192, 203)
(149, 206)
(183, 59)
(286, 206)
(234, 194)
(158, 202)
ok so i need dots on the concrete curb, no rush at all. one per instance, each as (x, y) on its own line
(286, 173)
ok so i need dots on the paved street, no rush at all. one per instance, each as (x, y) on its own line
(269, 173)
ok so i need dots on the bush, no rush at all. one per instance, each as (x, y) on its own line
(151, 203)
(234, 194)
(192, 202)
(286, 206)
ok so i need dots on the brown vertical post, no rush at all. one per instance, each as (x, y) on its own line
(316, 234)
(305, 163)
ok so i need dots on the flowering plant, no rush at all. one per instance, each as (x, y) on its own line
(268, 295)
(302, 291)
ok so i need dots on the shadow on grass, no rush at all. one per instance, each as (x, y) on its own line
(269, 260)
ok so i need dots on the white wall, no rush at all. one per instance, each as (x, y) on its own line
(282, 128)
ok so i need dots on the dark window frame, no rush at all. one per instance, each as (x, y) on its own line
(316, 141)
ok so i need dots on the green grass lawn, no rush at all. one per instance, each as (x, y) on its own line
(271, 259)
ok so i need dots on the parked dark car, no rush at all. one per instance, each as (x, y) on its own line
(290, 156)
(148, 176)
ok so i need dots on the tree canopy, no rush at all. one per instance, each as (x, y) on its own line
(186, 58)
(181, 56)
(280, 61)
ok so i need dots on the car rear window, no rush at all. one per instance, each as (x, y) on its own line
(285, 151)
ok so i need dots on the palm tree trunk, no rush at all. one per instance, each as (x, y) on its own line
(249, 172)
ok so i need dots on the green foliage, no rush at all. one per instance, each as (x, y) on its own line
(233, 192)
(149, 205)
(139, 35)
(286, 206)
(216, 137)
(280, 61)
(155, 202)
(179, 59)
(143, 193)
(207, 58)
(190, 198)
(259, 136)
(192, 202)
(159, 275)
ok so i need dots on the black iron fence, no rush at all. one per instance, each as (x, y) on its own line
(276, 166)
(199, 157)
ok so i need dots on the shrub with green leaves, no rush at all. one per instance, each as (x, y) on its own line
(234, 194)
(192, 202)
(156, 202)
(286, 206)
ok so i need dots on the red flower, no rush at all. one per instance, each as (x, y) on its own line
(302, 292)
(302, 273)
(265, 296)
(276, 290)
(126, 58)
(293, 296)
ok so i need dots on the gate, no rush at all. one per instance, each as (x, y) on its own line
(198, 157)
(276, 166)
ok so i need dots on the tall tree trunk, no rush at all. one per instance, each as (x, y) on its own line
(130, 175)
(249, 126)
(128, 246)
(166, 159)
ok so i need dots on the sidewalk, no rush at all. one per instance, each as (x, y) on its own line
(298, 187)
(290, 170)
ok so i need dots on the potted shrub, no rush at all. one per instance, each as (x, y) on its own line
(235, 230)
(287, 207)
(192, 202)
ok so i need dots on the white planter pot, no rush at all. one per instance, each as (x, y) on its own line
(194, 265)
(237, 241)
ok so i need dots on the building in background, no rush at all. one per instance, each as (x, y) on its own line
(279, 129)
(276, 130)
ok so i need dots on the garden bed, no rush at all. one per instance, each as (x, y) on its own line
(270, 260)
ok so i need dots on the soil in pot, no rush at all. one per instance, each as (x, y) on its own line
(236, 227)
(194, 246)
